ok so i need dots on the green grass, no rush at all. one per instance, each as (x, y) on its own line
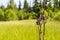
(28, 30)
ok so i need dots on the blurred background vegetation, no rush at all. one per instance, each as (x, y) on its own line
(11, 12)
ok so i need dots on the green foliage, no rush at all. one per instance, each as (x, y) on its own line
(2, 7)
(59, 4)
(57, 16)
(36, 7)
(50, 13)
(25, 15)
(28, 12)
(1, 15)
(10, 12)
(49, 7)
(12, 6)
(21, 14)
(46, 13)
(56, 5)
(32, 15)
(10, 15)
(25, 6)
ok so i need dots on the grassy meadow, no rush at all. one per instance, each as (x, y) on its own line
(28, 30)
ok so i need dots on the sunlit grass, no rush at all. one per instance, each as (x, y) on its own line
(28, 30)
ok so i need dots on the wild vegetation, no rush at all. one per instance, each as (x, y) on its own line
(11, 12)
(15, 26)
(28, 30)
